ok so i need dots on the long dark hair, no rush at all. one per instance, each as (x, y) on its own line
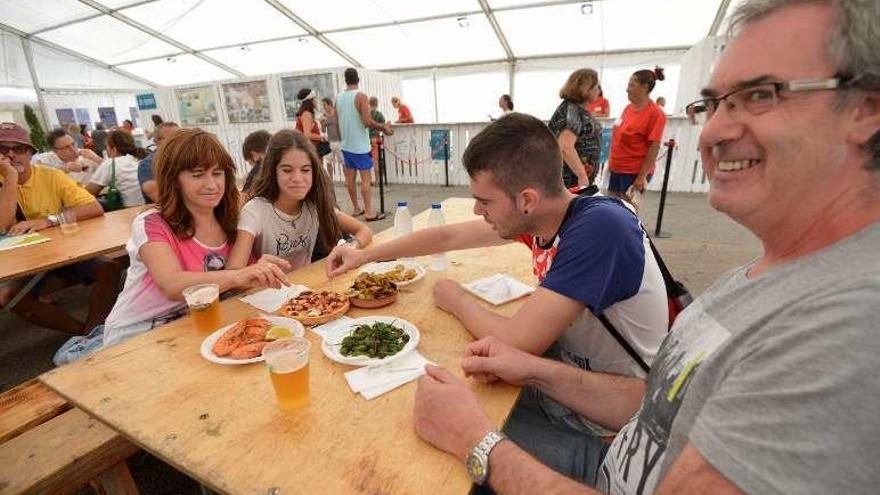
(305, 104)
(648, 78)
(320, 195)
(123, 143)
(188, 149)
(507, 101)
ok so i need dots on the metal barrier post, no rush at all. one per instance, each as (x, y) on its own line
(383, 179)
(670, 145)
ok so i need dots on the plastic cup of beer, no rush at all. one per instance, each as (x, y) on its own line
(288, 363)
(204, 306)
(67, 221)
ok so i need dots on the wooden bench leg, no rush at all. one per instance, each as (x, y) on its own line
(115, 481)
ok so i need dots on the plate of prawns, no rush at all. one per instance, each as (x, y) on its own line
(242, 342)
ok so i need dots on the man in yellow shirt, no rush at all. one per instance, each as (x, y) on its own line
(41, 193)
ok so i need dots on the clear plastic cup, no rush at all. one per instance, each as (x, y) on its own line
(67, 221)
(288, 363)
(204, 306)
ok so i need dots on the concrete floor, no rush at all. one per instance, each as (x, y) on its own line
(703, 245)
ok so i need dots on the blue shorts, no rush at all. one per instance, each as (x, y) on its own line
(357, 161)
(621, 182)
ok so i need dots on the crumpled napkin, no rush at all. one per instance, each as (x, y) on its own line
(498, 289)
(269, 300)
(373, 381)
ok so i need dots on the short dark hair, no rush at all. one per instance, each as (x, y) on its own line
(509, 101)
(55, 135)
(157, 119)
(351, 76)
(256, 142)
(520, 152)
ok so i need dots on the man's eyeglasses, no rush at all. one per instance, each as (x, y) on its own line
(18, 149)
(71, 147)
(757, 99)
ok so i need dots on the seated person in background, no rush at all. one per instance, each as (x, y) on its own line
(404, 116)
(183, 241)
(591, 258)
(145, 173)
(68, 157)
(41, 194)
(767, 383)
(254, 150)
(99, 139)
(291, 201)
(124, 158)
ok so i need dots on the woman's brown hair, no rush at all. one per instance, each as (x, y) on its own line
(123, 143)
(320, 195)
(189, 149)
(648, 78)
(573, 88)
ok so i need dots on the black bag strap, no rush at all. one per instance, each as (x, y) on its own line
(672, 289)
(19, 213)
(623, 343)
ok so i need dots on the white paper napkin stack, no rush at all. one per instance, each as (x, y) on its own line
(373, 381)
(498, 289)
(269, 300)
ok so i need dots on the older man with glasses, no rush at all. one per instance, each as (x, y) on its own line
(767, 382)
(77, 162)
(31, 198)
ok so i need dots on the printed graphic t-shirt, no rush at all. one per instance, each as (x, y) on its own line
(278, 233)
(141, 306)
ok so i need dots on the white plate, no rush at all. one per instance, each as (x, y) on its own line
(274, 321)
(387, 266)
(331, 349)
(498, 289)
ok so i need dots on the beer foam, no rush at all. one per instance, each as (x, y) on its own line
(201, 296)
(287, 355)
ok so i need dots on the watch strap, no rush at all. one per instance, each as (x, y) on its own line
(482, 450)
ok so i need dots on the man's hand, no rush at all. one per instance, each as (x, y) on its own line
(448, 294)
(261, 275)
(447, 414)
(7, 171)
(73, 167)
(388, 130)
(29, 226)
(90, 155)
(489, 359)
(640, 184)
(344, 258)
(275, 260)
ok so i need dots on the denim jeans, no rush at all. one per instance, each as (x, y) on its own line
(79, 347)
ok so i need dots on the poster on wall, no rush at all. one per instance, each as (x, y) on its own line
(439, 143)
(247, 102)
(107, 115)
(65, 116)
(83, 117)
(198, 106)
(322, 84)
(146, 101)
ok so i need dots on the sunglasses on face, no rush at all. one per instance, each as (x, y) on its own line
(18, 149)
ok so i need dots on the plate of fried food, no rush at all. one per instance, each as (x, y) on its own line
(401, 272)
(372, 290)
(372, 340)
(243, 341)
(315, 308)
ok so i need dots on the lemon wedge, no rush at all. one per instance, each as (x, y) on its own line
(276, 333)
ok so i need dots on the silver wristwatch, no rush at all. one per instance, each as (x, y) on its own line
(478, 460)
(54, 220)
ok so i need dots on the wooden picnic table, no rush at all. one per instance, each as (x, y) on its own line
(221, 425)
(96, 237)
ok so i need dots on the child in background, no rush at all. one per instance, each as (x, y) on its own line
(290, 212)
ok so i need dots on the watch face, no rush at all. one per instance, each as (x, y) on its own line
(475, 467)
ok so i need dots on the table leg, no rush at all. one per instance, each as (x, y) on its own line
(23, 292)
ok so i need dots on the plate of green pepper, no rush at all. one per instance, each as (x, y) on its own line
(372, 340)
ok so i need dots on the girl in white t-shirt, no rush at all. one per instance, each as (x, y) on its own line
(124, 157)
(290, 213)
(183, 241)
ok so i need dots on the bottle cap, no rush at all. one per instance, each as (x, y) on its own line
(401, 203)
(435, 206)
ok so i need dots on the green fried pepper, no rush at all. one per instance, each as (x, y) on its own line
(378, 340)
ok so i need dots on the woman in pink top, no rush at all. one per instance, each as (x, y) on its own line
(184, 240)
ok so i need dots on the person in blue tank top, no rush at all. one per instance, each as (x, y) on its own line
(353, 109)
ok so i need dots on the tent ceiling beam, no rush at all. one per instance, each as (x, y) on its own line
(77, 55)
(156, 34)
(672, 50)
(29, 56)
(719, 17)
(495, 27)
(311, 30)
(86, 18)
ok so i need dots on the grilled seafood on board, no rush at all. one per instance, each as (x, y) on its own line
(315, 308)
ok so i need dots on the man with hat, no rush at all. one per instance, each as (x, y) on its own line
(40, 194)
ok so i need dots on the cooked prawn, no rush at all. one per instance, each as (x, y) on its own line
(246, 333)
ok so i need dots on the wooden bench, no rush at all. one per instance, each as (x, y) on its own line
(48, 446)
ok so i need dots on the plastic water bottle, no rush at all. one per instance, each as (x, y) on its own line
(403, 223)
(435, 219)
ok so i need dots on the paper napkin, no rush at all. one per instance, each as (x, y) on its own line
(269, 300)
(373, 381)
(498, 289)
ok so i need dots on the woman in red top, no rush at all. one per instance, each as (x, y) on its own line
(637, 136)
(305, 118)
(600, 106)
